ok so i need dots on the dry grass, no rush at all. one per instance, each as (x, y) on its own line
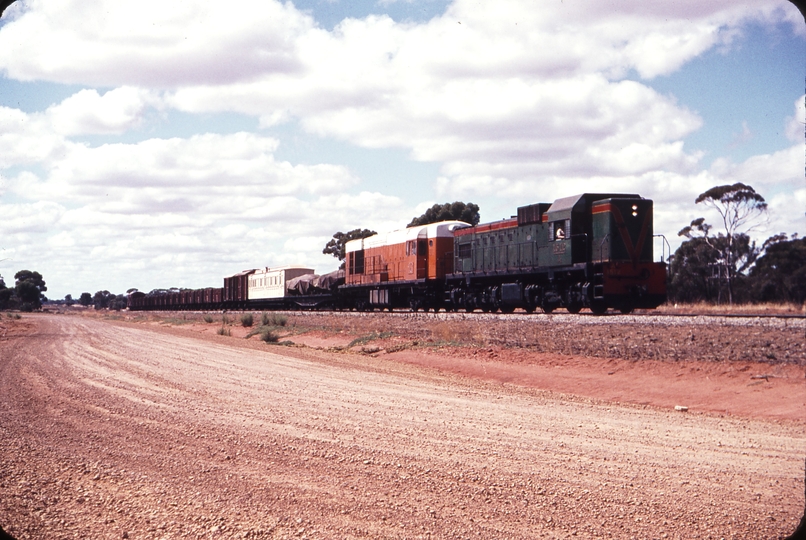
(738, 309)
(453, 332)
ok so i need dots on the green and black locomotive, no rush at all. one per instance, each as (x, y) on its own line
(593, 250)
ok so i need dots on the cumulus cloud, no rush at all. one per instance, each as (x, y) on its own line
(203, 207)
(150, 43)
(796, 124)
(28, 138)
(483, 85)
(88, 112)
(29, 218)
(541, 90)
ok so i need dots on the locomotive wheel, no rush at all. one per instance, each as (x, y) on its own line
(626, 309)
(598, 308)
(574, 307)
(507, 309)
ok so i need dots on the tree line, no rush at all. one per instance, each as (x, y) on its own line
(28, 294)
(100, 300)
(725, 265)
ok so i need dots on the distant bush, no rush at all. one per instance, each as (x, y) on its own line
(247, 320)
(274, 319)
(264, 319)
(268, 336)
(223, 331)
(208, 318)
(224, 319)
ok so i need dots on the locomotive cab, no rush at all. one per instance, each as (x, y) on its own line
(623, 272)
(570, 237)
(622, 230)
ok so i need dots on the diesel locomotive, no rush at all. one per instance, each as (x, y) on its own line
(593, 250)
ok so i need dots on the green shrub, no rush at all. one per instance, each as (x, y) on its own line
(224, 319)
(247, 320)
(268, 336)
(264, 319)
(223, 331)
(274, 319)
(208, 318)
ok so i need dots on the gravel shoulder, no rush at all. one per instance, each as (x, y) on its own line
(116, 429)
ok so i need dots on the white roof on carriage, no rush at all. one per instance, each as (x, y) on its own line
(443, 229)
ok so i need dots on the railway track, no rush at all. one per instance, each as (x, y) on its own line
(559, 316)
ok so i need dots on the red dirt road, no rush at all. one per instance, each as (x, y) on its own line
(120, 430)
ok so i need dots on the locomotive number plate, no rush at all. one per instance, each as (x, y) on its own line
(559, 248)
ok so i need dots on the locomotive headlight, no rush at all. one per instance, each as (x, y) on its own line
(635, 210)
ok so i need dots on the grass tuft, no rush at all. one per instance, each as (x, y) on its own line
(223, 331)
(208, 319)
(363, 340)
(269, 336)
(273, 319)
(247, 320)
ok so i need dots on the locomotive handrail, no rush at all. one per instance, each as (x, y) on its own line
(664, 245)
(601, 247)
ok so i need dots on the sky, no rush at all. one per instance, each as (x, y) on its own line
(153, 145)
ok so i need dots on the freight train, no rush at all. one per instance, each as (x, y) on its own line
(593, 250)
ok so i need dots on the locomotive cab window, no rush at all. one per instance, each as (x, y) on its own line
(559, 230)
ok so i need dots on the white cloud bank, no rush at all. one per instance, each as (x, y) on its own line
(512, 99)
(88, 112)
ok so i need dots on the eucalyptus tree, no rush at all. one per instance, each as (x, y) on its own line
(741, 210)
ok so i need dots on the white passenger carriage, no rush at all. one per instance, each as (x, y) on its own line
(266, 283)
